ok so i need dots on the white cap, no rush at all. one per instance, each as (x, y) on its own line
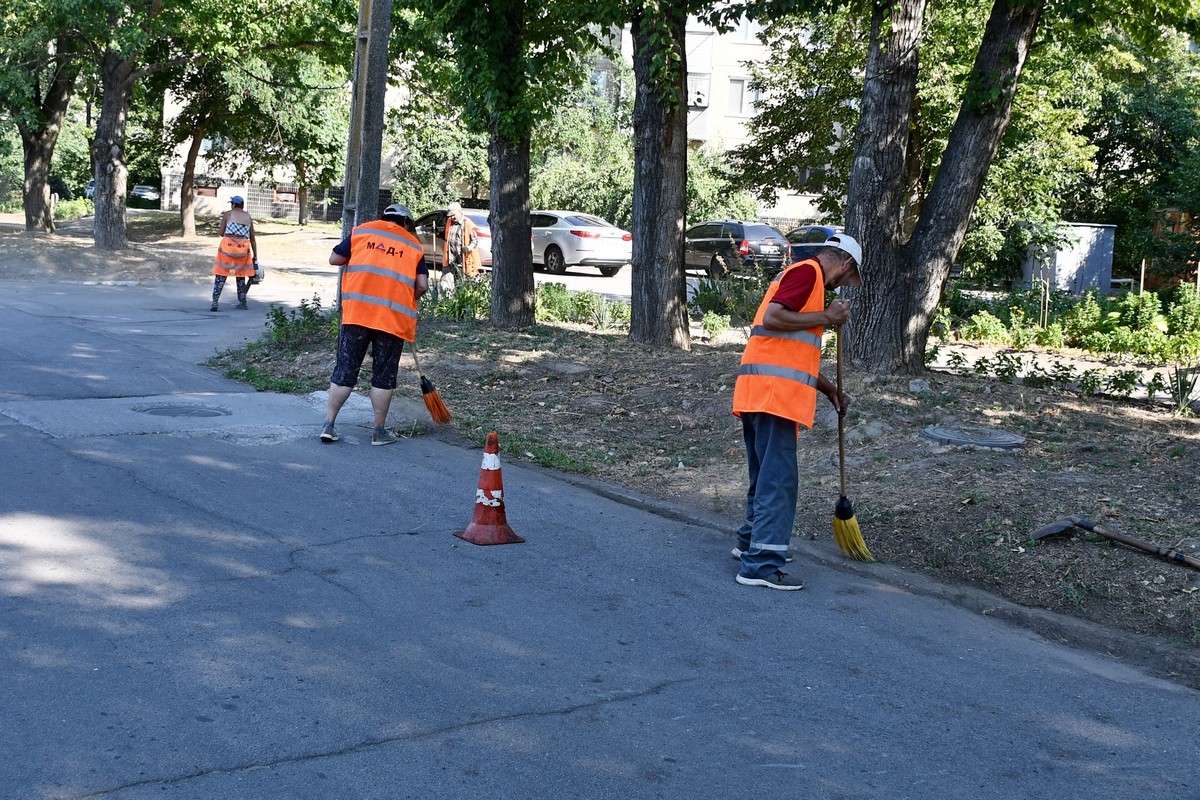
(454, 208)
(846, 243)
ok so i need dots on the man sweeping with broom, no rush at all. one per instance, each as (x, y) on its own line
(384, 276)
(776, 393)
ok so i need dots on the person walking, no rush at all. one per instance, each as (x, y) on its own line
(460, 255)
(776, 393)
(384, 276)
(237, 254)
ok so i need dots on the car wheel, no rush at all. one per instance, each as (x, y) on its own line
(608, 272)
(554, 261)
(718, 267)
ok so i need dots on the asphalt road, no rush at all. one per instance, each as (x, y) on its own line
(215, 605)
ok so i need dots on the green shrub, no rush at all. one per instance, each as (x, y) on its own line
(1123, 382)
(1084, 319)
(584, 306)
(1183, 314)
(554, 303)
(610, 314)
(471, 299)
(983, 327)
(72, 209)
(1091, 381)
(1141, 312)
(737, 297)
(714, 324)
(300, 326)
(1051, 336)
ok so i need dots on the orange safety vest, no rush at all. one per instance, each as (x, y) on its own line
(234, 257)
(471, 261)
(379, 283)
(780, 368)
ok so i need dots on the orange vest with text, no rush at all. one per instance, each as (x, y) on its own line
(379, 282)
(780, 368)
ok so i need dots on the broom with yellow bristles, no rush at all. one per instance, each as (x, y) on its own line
(845, 527)
(433, 400)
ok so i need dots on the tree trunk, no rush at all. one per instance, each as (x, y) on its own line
(187, 187)
(874, 206)
(302, 192)
(35, 191)
(902, 281)
(39, 139)
(108, 152)
(371, 149)
(513, 295)
(659, 293)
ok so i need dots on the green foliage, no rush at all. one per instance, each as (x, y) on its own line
(714, 324)
(72, 209)
(736, 297)
(301, 326)
(554, 303)
(471, 299)
(711, 189)
(1182, 385)
(1183, 314)
(1141, 311)
(984, 327)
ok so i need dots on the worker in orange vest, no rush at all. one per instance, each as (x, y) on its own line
(384, 276)
(460, 253)
(776, 393)
(237, 254)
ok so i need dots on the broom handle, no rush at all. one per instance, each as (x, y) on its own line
(841, 422)
(413, 349)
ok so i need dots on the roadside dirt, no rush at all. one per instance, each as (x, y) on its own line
(658, 423)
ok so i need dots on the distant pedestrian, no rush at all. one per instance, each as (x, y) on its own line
(384, 277)
(460, 256)
(776, 393)
(237, 255)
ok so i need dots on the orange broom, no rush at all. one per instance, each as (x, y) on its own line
(845, 527)
(433, 400)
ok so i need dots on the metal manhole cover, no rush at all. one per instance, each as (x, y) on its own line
(184, 411)
(979, 437)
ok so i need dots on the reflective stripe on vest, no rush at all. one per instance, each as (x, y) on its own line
(779, 369)
(234, 257)
(379, 282)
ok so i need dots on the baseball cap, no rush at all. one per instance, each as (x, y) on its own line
(847, 244)
(397, 210)
(454, 208)
(237, 200)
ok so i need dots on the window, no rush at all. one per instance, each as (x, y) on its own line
(697, 90)
(742, 99)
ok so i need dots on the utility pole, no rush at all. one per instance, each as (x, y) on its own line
(354, 145)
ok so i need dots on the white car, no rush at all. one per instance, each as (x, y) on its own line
(564, 239)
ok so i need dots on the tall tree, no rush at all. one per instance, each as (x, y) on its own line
(37, 79)
(512, 58)
(659, 297)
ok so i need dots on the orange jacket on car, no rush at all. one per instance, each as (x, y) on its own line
(780, 368)
(379, 281)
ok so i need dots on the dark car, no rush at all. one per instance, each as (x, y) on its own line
(719, 247)
(143, 197)
(805, 240)
(431, 230)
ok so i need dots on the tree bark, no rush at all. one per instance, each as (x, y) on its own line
(39, 139)
(302, 192)
(513, 295)
(108, 152)
(659, 293)
(903, 280)
(187, 187)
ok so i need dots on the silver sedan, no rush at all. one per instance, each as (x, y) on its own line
(564, 239)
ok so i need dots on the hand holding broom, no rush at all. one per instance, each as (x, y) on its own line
(433, 400)
(845, 527)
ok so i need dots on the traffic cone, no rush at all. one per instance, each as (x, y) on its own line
(488, 525)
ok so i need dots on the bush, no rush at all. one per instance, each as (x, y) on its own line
(737, 297)
(296, 328)
(554, 303)
(72, 209)
(1051, 336)
(471, 299)
(1183, 313)
(983, 327)
(1141, 312)
(714, 324)
(1087, 317)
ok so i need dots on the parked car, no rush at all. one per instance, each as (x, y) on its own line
(719, 247)
(805, 239)
(143, 197)
(431, 230)
(564, 239)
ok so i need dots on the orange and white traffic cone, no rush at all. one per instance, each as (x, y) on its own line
(488, 525)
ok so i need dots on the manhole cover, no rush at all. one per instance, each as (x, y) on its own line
(979, 437)
(184, 411)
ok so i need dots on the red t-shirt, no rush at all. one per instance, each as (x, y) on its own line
(795, 288)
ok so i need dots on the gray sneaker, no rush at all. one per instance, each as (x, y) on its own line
(329, 433)
(776, 580)
(737, 553)
(382, 436)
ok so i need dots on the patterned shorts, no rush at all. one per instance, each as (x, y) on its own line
(353, 341)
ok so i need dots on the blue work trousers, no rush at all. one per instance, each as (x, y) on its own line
(771, 498)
